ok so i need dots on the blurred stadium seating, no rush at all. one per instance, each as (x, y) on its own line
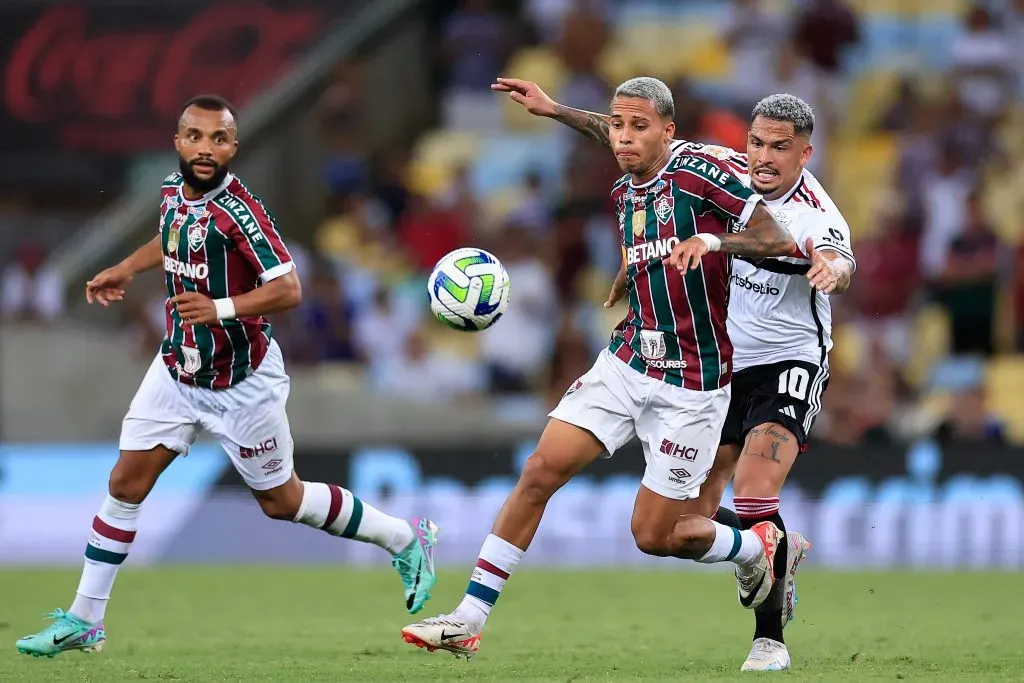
(457, 161)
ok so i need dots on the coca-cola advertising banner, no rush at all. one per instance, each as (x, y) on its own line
(108, 78)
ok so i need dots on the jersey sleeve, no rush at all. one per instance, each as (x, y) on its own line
(258, 239)
(827, 232)
(721, 192)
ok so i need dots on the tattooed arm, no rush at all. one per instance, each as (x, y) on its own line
(536, 101)
(762, 237)
(587, 123)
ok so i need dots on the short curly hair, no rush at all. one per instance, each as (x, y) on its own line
(788, 108)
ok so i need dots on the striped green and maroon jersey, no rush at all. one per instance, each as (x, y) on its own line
(224, 244)
(675, 329)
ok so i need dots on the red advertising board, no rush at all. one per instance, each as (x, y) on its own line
(108, 78)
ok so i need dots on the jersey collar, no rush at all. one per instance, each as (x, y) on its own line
(209, 195)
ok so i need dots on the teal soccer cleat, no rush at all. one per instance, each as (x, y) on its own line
(415, 564)
(67, 632)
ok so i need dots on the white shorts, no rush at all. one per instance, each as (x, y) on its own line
(679, 428)
(248, 419)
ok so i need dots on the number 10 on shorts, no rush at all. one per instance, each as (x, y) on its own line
(794, 382)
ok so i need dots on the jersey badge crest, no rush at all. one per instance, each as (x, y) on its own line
(197, 236)
(663, 209)
(639, 222)
(783, 218)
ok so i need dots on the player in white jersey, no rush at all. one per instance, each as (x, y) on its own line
(780, 324)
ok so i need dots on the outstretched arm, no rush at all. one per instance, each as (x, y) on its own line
(108, 286)
(587, 123)
(762, 237)
(527, 93)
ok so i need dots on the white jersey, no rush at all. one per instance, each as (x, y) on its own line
(774, 314)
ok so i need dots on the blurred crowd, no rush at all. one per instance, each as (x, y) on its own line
(939, 289)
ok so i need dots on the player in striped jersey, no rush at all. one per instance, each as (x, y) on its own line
(779, 323)
(666, 380)
(218, 370)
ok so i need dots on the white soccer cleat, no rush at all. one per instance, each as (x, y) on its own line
(754, 584)
(797, 551)
(767, 655)
(444, 632)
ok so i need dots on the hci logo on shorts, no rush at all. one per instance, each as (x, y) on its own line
(676, 451)
(268, 446)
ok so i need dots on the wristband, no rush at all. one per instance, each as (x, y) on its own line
(225, 308)
(713, 242)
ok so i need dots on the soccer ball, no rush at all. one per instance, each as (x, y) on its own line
(468, 290)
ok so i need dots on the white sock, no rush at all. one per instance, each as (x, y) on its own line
(732, 545)
(340, 513)
(113, 531)
(497, 559)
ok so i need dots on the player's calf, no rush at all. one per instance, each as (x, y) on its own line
(339, 512)
(665, 527)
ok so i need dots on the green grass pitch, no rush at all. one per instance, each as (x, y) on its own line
(265, 623)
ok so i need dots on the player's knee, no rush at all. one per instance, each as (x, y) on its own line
(541, 477)
(750, 485)
(279, 508)
(282, 502)
(127, 487)
(651, 541)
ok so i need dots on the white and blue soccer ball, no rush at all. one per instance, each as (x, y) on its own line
(468, 290)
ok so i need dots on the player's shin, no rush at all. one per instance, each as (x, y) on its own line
(768, 617)
(498, 558)
(726, 544)
(339, 512)
(113, 531)
(513, 530)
